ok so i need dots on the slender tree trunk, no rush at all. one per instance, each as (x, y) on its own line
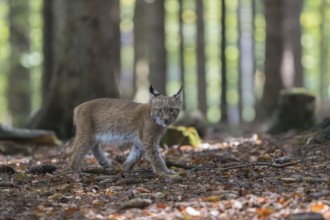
(246, 57)
(115, 23)
(19, 89)
(141, 62)
(324, 52)
(156, 44)
(224, 105)
(283, 51)
(181, 48)
(48, 33)
(292, 31)
(202, 102)
(83, 68)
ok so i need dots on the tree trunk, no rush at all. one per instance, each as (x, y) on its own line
(324, 53)
(246, 59)
(83, 61)
(115, 19)
(48, 33)
(283, 51)
(18, 92)
(224, 105)
(156, 44)
(181, 48)
(202, 103)
(141, 62)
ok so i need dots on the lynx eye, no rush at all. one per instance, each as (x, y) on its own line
(174, 110)
(157, 111)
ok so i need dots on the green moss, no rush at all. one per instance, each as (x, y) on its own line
(180, 135)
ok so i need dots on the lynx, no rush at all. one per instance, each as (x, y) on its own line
(120, 121)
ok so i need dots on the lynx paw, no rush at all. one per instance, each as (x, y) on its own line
(169, 173)
(127, 166)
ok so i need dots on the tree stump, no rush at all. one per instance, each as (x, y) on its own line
(296, 110)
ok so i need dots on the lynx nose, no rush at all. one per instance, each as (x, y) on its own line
(166, 121)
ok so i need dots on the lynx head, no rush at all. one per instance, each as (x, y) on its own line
(165, 109)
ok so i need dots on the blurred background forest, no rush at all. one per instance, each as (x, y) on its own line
(233, 57)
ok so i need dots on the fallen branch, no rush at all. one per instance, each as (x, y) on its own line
(261, 164)
(90, 171)
(251, 165)
(6, 184)
(178, 165)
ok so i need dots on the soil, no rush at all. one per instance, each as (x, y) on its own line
(251, 177)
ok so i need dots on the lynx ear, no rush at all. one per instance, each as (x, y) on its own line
(178, 95)
(153, 92)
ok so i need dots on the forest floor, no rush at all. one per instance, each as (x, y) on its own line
(251, 177)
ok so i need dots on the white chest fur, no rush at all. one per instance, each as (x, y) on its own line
(108, 138)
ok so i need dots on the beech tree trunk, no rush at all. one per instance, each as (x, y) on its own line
(156, 44)
(246, 58)
(83, 67)
(18, 92)
(115, 23)
(224, 105)
(324, 51)
(283, 68)
(181, 48)
(202, 102)
(48, 33)
(141, 61)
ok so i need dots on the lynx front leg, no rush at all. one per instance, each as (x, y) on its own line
(134, 156)
(156, 160)
(80, 150)
(101, 157)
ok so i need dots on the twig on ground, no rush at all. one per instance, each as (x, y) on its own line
(260, 164)
(251, 165)
(6, 184)
(179, 165)
(90, 171)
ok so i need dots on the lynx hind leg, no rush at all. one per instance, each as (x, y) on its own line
(101, 157)
(133, 157)
(80, 149)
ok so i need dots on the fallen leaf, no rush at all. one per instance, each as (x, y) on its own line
(211, 199)
(135, 203)
(97, 202)
(161, 205)
(193, 212)
(318, 206)
(142, 190)
(109, 192)
(264, 212)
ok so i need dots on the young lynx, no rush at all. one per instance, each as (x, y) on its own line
(107, 120)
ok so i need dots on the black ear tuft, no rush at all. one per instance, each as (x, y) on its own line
(178, 93)
(153, 91)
